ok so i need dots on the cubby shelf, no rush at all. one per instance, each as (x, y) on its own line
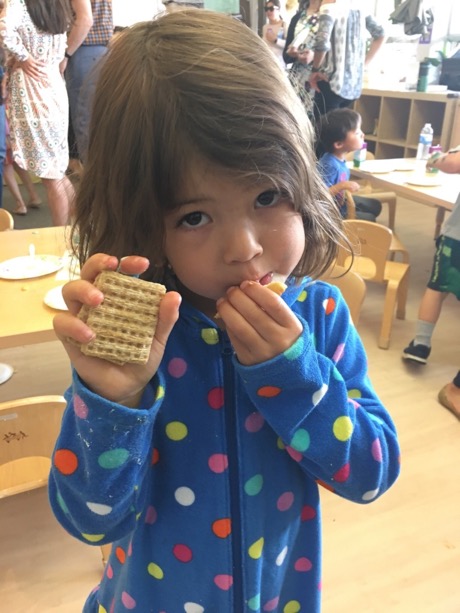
(392, 120)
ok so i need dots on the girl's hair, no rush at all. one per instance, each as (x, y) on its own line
(187, 86)
(335, 125)
(51, 16)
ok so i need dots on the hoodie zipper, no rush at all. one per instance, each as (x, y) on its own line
(233, 467)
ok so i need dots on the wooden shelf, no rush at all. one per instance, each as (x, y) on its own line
(392, 120)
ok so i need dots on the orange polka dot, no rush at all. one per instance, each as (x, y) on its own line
(121, 555)
(222, 527)
(268, 391)
(325, 485)
(65, 461)
(329, 305)
(155, 456)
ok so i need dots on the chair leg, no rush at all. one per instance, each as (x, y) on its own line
(391, 203)
(388, 314)
(402, 297)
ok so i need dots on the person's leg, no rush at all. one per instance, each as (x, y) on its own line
(2, 148)
(12, 184)
(449, 396)
(34, 196)
(367, 208)
(59, 193)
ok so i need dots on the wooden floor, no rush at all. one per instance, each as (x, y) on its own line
(398, 555)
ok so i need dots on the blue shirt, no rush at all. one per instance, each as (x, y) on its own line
(333, 171)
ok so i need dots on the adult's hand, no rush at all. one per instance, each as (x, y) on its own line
(315, 78)
(33, 68)
(63, 66)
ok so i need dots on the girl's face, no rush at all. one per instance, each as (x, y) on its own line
(223, 233)
(354, 139)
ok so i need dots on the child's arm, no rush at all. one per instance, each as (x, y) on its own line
(351, 186)
(317, 397)
(448, 162)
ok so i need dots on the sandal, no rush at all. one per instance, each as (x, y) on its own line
(35, 205)
(20, 212)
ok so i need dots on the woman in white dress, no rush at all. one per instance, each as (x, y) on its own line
(34, 33)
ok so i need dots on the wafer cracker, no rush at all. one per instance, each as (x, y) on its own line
(125, 322)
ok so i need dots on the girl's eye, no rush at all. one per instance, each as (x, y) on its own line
(268, 198)
(194, 220)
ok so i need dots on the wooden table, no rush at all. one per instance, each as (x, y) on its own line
(24, 317)
(443, 196)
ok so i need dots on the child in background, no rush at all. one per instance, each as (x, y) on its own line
(339, 134)
(445, 275)
(202, 466)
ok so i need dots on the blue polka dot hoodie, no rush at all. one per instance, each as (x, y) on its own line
(209, 491)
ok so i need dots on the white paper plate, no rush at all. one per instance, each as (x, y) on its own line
(402, 167)
(54, 299)
(27, 267)
(424, 181)
(377, 168)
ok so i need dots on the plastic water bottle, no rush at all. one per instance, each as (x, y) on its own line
(424, 142)
(359, 156)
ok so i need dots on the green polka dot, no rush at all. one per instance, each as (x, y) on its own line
(293, 606)
(343, 428)
(210, 336)
(254, 485)
(254, 603)
(176, 430)
(62, 504)
(160, 392)
(337, 376)
(302, 296)
(354, 393)
(301, 440)
(155, 571)
(295, 350)
(93, 538)
(113, 458)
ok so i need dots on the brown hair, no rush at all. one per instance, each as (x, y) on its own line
(188, 85)
(50, 16)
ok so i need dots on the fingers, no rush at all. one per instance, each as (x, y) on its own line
(130, 265)
(167, 316)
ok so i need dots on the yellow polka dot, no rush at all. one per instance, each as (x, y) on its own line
(343, 428)
(293, 606)
(176, 430)
(101, 609)
(155, 571)
(210, 336)
(255, 550)
(354, 394)
(302, 296)
(93, 538)
(280, 444)
(160, 392)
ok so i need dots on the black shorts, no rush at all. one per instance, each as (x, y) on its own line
(445, 275)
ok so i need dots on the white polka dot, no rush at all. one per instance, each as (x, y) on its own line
(319, 394)
(193, 607)
(371, 494)
(281, 557)
(99, 509)
(184, 496)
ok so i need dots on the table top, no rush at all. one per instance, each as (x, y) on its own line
(401, 175)
(24, 317)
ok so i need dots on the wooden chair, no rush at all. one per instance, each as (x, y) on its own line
(388, 198)
(6, 220)
(28, 431)
(371, 248)
(396, 244)
(352, 287)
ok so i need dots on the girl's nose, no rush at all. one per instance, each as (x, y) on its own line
(240, 243)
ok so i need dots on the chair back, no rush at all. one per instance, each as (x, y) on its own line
(371, 244)
(352, 287)
(29, 428)
(350, 204)
(6, 220)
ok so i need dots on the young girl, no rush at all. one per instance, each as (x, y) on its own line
(202, 467)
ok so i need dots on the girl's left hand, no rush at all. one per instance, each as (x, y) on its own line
(259, 323)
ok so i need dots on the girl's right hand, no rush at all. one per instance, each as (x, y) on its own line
(121, 384)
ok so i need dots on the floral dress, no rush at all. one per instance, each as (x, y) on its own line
(38, 108)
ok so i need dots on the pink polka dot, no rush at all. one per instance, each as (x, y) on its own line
(295, 455)
(303, 565)
(112, 606)
(271, 605)
(177, 367)
(307, 513)
(354, 402)
(130, 548)
(338, 352)
(342, 474)
(218, 462)
(151, 515)
(285, 501)
(128, 600)
(224, 582)
(254, 422)
(80, 408)
(216, 398)
(109, 571)
(377, 450)
(182, 553)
